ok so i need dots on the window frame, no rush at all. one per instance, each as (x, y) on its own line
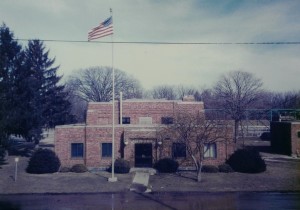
(77, 153)
(107, 153)
(167, 120)
(212, 151)
(176, 153)
(125, 120)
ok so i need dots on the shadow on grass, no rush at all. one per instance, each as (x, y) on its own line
(190, 175)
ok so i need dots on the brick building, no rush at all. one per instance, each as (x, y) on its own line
(136, 134)
(285, 138)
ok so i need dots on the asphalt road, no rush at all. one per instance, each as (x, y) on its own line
(131, 200)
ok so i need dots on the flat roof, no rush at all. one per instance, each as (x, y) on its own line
(148, 100)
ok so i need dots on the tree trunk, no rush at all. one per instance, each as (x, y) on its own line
(199, 175)
(236, 130)
(198, 168)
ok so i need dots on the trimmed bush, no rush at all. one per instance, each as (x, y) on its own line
(209, 169)
(166, 165)
(246, 161)
(79, 168)
(121, 166)
(225, 168)
(43, 161)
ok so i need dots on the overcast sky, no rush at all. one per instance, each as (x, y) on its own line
(211, 21)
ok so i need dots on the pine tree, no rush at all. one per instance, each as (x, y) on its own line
(30, 95)
(10, 62)
(50, 99)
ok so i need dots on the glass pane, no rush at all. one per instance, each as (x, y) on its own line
(106, 149)
(77, 150)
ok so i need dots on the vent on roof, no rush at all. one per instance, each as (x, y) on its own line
(188, 98)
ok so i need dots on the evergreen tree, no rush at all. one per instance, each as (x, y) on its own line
(50, 98)
(10, 62)
(30, 95)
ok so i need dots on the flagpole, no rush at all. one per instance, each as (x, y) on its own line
(113, 178)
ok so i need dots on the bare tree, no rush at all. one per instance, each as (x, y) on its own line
(95, 84)
(287, 100)
(184, 90)
(198, 135)
(78, 105)
(209, 99)
(164, 91)
(171, 92)
(237, 91)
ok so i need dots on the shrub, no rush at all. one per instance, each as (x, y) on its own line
(43, 161)
(166, 165)
(247, 161)
(2, 152)
(225, 168)
(79, 168)
(2, 156)
(121, 166)
(209, 169)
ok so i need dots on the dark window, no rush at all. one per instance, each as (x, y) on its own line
(179, 150)
(106, 149)
(210, 150)
(167, 120)
(77, 150)
(125, 120)
(298, 134)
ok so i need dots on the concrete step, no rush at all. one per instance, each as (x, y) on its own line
(140, 182)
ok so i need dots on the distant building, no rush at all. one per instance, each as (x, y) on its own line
(136, 140)
(285, 138)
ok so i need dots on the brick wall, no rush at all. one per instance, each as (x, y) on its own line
(98, 130)
(295, 139)
(64, 136)
(101, 113)
(284, 138)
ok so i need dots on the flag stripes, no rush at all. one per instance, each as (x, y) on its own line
(104, 29)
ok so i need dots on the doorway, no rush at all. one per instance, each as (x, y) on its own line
(143, 155)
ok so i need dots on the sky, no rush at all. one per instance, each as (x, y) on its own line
(172, 21)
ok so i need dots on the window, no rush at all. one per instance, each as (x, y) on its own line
(298, 134)
(125, 120)
(106, 149)
(179, 150)
(210, 150)
(76, 150)
(167, 120)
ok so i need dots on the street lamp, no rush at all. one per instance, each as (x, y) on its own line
(16, 168)
(157, 144)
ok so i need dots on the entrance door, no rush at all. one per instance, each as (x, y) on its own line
(143, 155)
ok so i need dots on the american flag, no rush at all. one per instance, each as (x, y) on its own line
(104, 29)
